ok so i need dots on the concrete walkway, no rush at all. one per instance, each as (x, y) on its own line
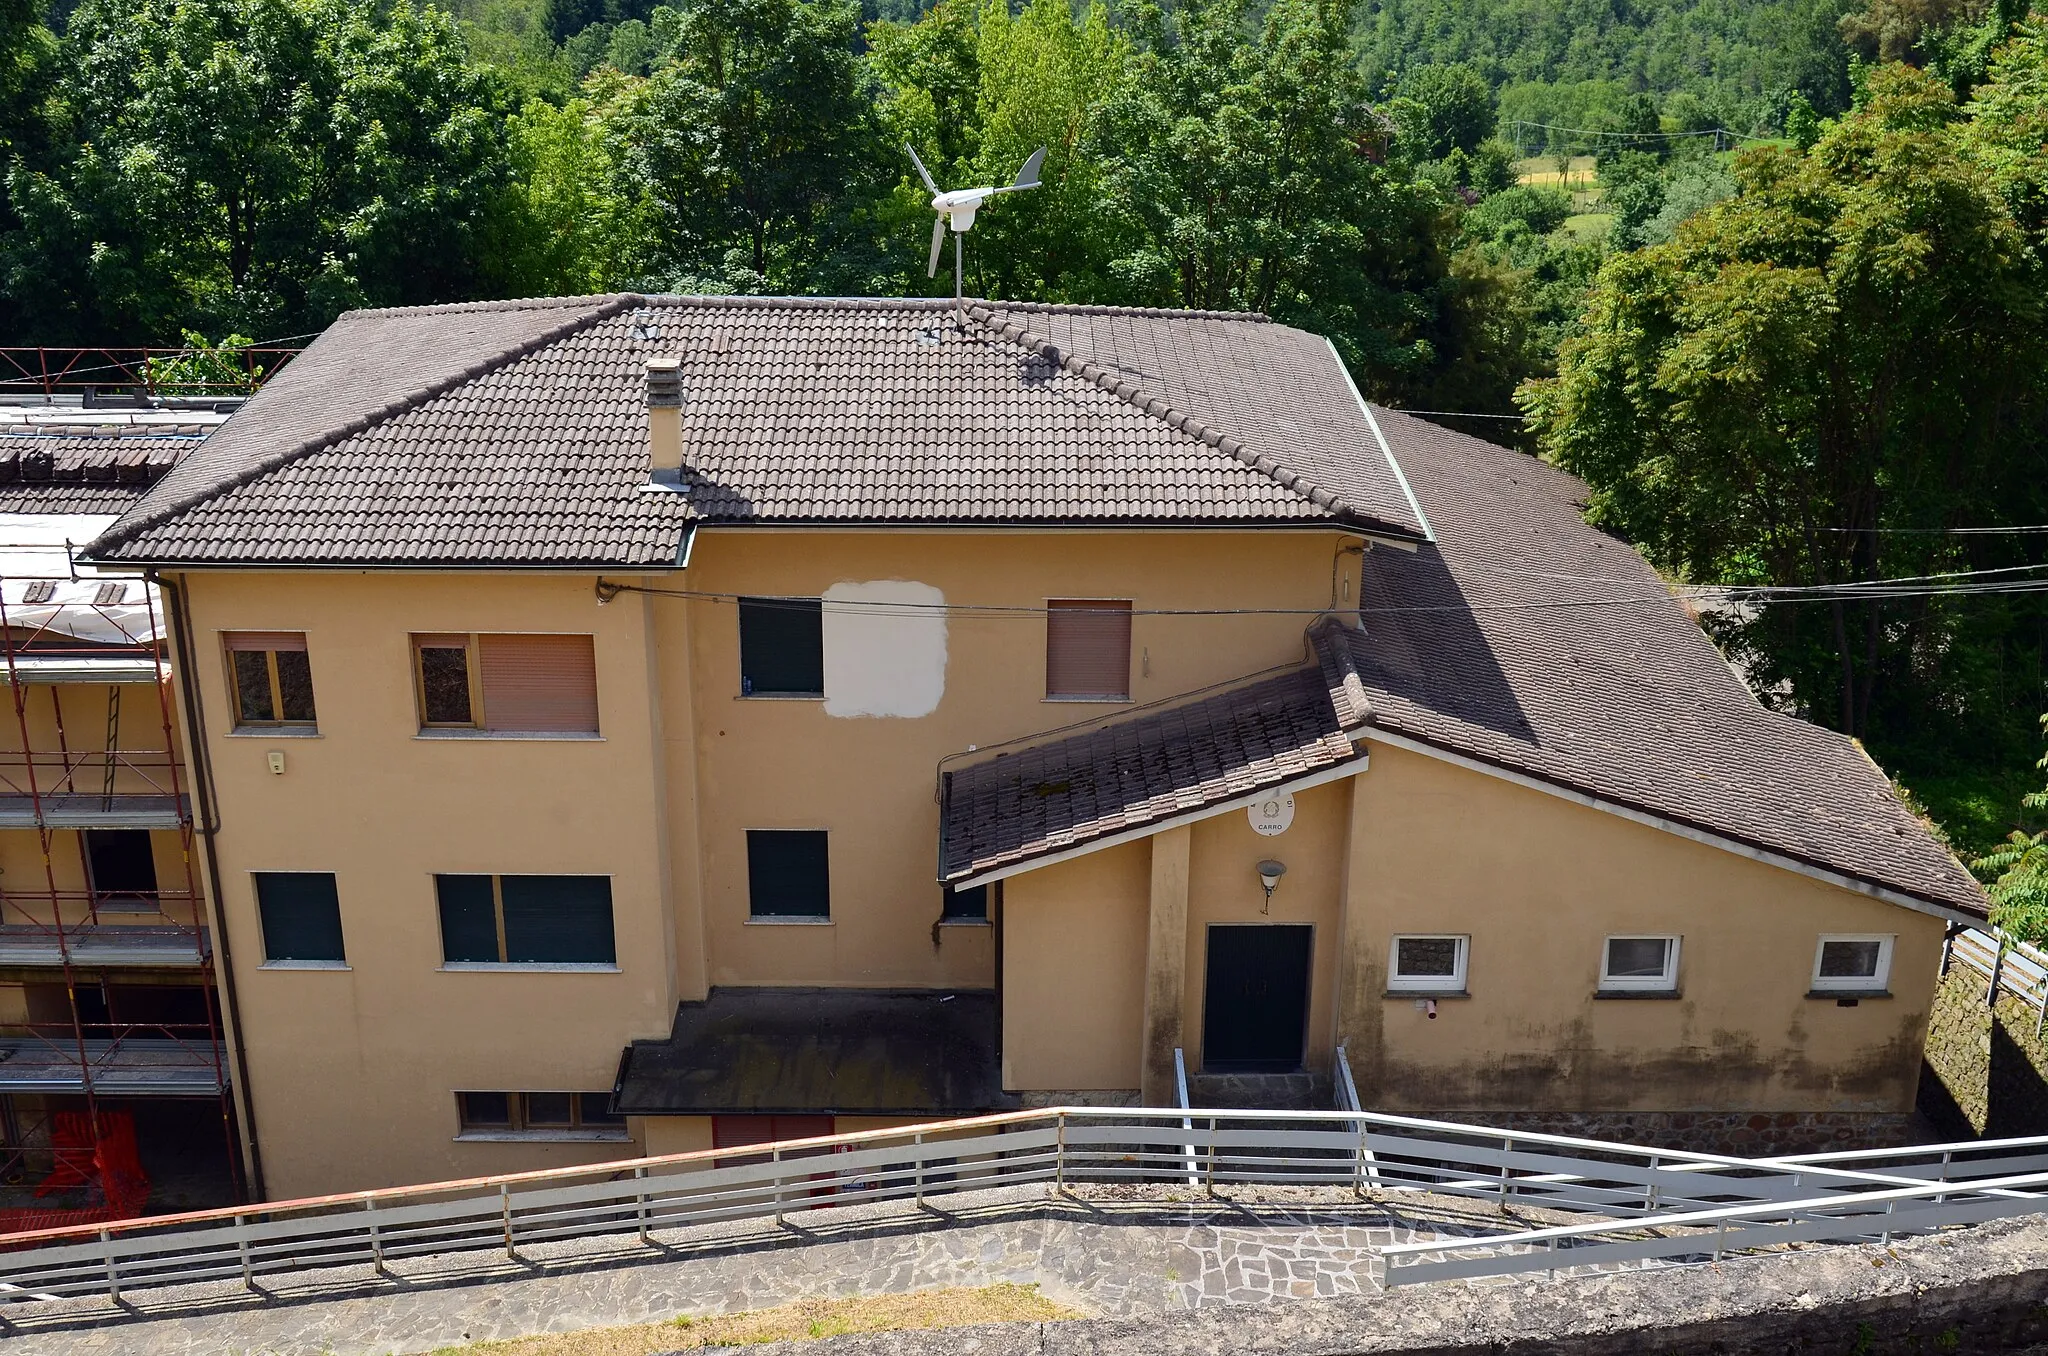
(1114, 1252)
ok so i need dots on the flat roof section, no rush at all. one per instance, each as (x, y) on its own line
(867, 1052)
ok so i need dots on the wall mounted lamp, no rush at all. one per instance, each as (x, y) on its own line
(1270, 873)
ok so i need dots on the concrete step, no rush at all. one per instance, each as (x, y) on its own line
(1262, 1091)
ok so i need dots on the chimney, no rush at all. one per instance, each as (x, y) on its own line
(664, 415)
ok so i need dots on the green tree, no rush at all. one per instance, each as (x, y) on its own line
(1443, 109)
(569, 223)
(1846, 348)
(254, 165)
(2017, 873)
(758, 147)
(204, 368)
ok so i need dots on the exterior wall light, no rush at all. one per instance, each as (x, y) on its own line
(1270, 873)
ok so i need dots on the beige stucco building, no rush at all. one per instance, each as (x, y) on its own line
(731, 714)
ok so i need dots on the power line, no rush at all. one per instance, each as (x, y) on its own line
(1457, 414)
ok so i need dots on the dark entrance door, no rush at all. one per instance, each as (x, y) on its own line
(1255, 1011)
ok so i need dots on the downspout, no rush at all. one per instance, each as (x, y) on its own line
(208, 823)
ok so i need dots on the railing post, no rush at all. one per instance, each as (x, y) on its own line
(1059, 1155)
(775, 1161)
(1209, 1170)
(1507, 1146)
(505, 1204)
(113, 1275)
(1651, 1193)
(917, 1149)
(1719, 1233)
(1997, 969)
(640, 1196)
(1358, 1168)
(1885, 1240)
(376, 1237)
(242, 1251)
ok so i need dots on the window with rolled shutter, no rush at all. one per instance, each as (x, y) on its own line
(1088, 649)
(541, 684)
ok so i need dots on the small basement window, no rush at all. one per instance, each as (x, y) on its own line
(1639, 965)
(538, 1115)
(788, 874)
(782, 647)
(1856, 963)
(969, 905)
(508, 684)
(526, 920)
(301, 917)
(1088, 649)
(271, 677)
(1434, 964)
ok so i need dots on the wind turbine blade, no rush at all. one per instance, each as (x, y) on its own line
(1028, 176)
(938, 243)
(922, 172)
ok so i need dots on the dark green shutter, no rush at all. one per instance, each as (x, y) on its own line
(469, 919)
(301, 913)
(787, 874)
(563, 919)
(782, 647)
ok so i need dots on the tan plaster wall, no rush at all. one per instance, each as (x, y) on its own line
(1074, 972)
(788, 764)
(1539, 882)
(354, 1071)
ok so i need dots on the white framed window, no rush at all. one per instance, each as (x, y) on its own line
(1639, 964)
(1431, 963)
(1853, 962)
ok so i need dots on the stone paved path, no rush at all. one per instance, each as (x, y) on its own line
(1113, 1252)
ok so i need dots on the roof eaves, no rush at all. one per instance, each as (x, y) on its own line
(1159, 408)
(107, 546)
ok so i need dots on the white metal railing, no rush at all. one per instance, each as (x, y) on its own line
(2008, 966)
(1180, 1099)
(1709, 1235)
(1626, 1187)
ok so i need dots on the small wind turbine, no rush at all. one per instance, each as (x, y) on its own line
(959, 206)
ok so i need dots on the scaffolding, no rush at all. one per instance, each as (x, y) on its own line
(95, 767)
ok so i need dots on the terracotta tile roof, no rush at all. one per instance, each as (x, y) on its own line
(1141, 769)
(516, 431)
(85, 467)
(1524, 638)
(1520, 638)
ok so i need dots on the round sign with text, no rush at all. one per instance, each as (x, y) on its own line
(1272, 815)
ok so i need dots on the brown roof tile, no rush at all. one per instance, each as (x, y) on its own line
(516, 432)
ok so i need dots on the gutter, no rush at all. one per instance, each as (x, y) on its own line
(207, 821)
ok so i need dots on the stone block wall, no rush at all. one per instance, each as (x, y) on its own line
(1987, 1070)
(1741, 1133)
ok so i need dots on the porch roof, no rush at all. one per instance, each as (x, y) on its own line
(869, 1052)
(1142, 769)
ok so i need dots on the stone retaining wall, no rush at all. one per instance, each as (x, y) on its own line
(1987, 1072)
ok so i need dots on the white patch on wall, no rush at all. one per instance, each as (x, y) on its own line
(885, 648)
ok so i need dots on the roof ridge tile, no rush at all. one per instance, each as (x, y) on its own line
(1120, 386)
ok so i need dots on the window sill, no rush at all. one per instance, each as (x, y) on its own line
(534, 967)
(274, 732)
(1637, 993)
(790, 921)
(964, 922)
(1124, 700)
(779, 697)
(1848, 993)
(1427, 993)
(556, 736)
(544, 1137)
(304, 965)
